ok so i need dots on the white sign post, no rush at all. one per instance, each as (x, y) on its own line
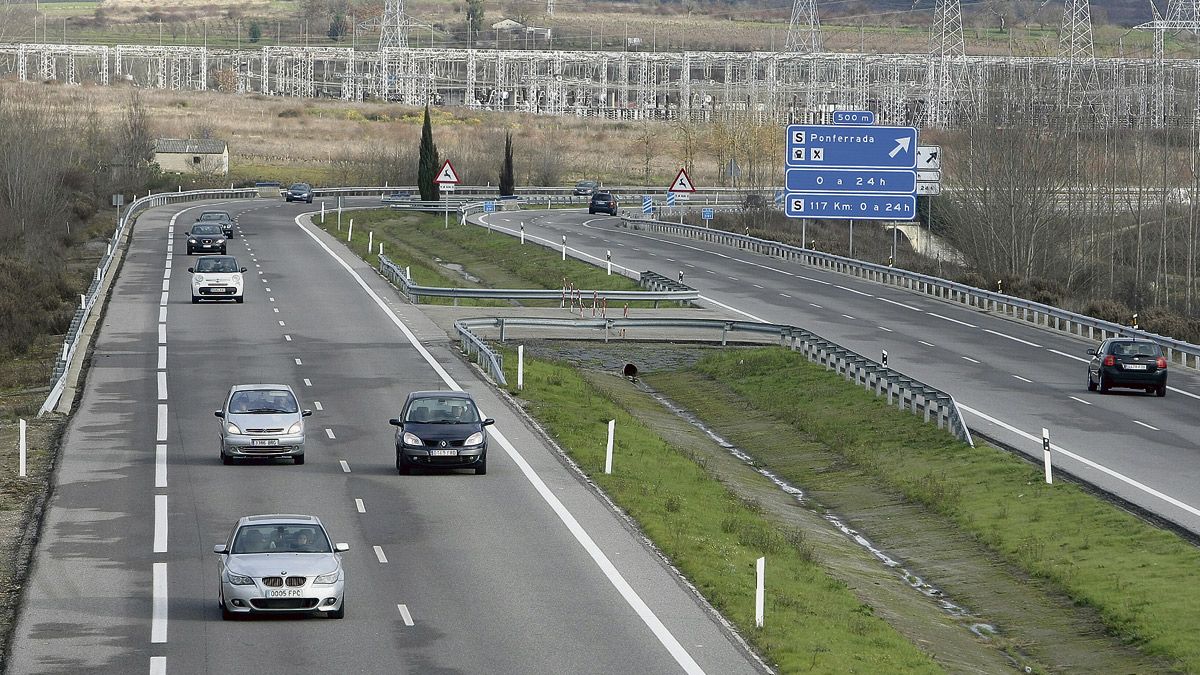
(446, 179)
(350, 232)
(564, 248)
(759, 590)
(1046, 455)
(21, 444)
(520, 367)
(608, 259)
(609, 448)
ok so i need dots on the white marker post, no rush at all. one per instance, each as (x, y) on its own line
(21, 445)
(612, 424)
(1046, 454)
(520, 367)
(408, 273)
(884, 359)
(322, 213)
(350, 232)
(381, 248)
(370, 240)
(608, 259)
(564, 247)
(522, 234)
(759, 587)
(339, 213)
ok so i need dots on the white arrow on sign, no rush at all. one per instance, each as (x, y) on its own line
(901, 144)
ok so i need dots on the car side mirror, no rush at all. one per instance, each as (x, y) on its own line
(219, 413)
(1091, 352)
(488, 422)
(341, 547)
(192, 269)
(306, 413)
(395, 421)
(243, 270)
(220, 548)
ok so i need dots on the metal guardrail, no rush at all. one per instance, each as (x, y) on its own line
(907, 393)
(1054, 318)
(88, 300)
(392, 272)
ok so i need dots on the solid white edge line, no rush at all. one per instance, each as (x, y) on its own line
(1069, 356)
(160, 523)
(846, 288)
(379, 555)
(162, 385)
(900, 304)
(1083, 460)
(345, 466)
(158, 620)
(1076, 398)
(964, 323)
(358, 504)
(404, 615)
(158, 665)
(162, 357)
(1009, 337)
(639, 606)
(1152, 428)
(1185, 393)
(160, 465)
(161, 434)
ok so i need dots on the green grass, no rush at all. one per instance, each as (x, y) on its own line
(814, 623)
(1144, 581)
(286, 175)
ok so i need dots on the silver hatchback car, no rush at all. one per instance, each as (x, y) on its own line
(281, 563)
(262, 420)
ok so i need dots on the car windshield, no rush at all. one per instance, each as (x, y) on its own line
(442, 411)
(264, 401)
(214, 215)
(281, 539)
(585, 184)
(601, 197)
(300, 186)
(1135, 349)
(216, 265)
(206, 229)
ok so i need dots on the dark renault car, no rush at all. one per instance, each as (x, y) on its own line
(1129, 363)
(206, 237)
(443, 430)
(299, 192)
(603, 202)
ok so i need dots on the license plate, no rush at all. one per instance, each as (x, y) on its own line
(264, 441)
(443, 452)
(283, 593)
(1135, 366)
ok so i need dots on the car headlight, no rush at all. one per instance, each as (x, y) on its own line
(233, 428)
(191, 240)
(199, 278)
(330, 578)
(296, 428)
(411, 439)
(237, 278)
(474, 439)
(220, 241)
(238, 580)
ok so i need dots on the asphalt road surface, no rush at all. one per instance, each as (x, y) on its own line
(524, 570)
(1010, 379)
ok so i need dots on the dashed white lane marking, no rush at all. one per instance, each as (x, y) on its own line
(1185, 393)
(282, 323)
(785, 295)
(967, 358)
(162, 333)
(162, 385)
(689, 265)
(815, 305)
(1076, 398)
(1023, 379)
(847, 288)
(158, 617)
(162, 357)
(158, 665)
(345, 466)
(276, 309)
(927, 344)
(757, 286)
(307, 382)
(635, 601)
(1099, 467)
(167, 273)
(889, 330)
(287, 337)
(849, 317)
(710, 271)
(404, 615)
(161, 434)
(329, 433)
(1069, 356)
(260, 272)
(163, 300)
(268, 290)
(379, 554)
(733, 278)
(298, 362)
(317, 405)
(962, 323)
(270, 299)
(160, 523)
(160, 465)
(166, 285)
(900, 304)
(358, 504)
(1152, 428)
(1009, 337)
(162, 314)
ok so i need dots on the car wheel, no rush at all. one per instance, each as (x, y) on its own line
(239, 299)
(340, 613)
(1091, 385)
(1161, 391)
(226, 459)
(298, 460)
(481, 467)
(195, 299)
(591, 212)
(402, 466)
(189, 250)
(310, 200)
(1104, 385)
(223, 251)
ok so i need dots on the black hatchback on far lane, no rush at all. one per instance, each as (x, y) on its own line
(442, 430)
(603, 202)
(1129, 363)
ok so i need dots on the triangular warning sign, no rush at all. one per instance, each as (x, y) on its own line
(682, 183)
(447, 175)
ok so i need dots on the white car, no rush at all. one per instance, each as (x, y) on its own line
(216, 277)
(280, 563)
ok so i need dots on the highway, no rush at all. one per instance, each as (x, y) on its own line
(525, 570)
(1010, 379)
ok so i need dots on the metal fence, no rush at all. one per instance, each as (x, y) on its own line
(1054, 318)
(87, 301)
(934, 405)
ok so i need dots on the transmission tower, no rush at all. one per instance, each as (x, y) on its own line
(1075, 39)
(946, 39)
(804, 31)
(1184, 12)
(393, 27)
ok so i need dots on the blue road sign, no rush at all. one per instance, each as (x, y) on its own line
(670, 199)
(829, 146)
(706, 213)
(852, 206)
(854, 117)
(489, 207)
(779, 198)
(857, 181)
(647, 204)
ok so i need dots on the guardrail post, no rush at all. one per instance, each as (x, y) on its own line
(724, 332)
(502, 330)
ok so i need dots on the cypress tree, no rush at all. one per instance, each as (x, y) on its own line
(507, 182)
(429, 164)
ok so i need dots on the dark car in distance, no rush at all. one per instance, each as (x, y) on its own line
(221, 218)
(586, 187)
(441, 430)
(1129, 363)
(603, 202)
(299, 192)
(206, 237)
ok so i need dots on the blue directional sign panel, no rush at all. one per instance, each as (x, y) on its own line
(647, 204)
(489, 207)
(706, 213)
(779, 198)
(855, 117)
(841, 146)
(670, 199)
(884, 181)
(852, 206)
